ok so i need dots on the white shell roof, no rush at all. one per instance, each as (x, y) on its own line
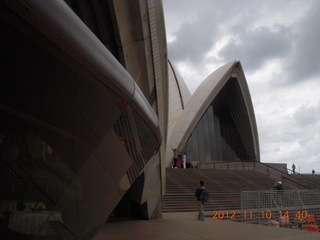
(200, 101)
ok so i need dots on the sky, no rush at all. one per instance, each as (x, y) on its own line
(278, 45)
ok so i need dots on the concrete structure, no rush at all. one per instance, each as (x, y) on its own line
(83, 108)
(218, 122)
(90, 108)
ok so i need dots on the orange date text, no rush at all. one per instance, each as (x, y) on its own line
(267, 214)
(224, 215)
(264, 214)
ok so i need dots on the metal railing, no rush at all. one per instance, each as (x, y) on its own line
(298, 180)
(228, 165)
(273, 205)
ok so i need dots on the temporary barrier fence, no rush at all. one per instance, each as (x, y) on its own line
(283, 207)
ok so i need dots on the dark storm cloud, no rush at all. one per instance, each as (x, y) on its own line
(195, 37)
(211, 20)
(191, 47)
(295, 44)
(305, 59)
(256, 46)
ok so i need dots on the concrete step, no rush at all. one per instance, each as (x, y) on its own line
(224, 187)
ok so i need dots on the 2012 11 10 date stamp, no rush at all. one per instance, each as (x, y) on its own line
(264, 214)
(225, 215)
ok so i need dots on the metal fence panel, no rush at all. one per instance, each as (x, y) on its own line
(274, 205)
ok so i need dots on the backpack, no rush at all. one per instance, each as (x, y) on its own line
(204, 196)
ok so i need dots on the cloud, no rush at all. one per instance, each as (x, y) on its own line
(306, 115)
(290, 135)
(203, 25)
(193, 47)
(304, 61)
(256, 46)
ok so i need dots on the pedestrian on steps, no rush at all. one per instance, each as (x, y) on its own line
(199, 193)
(184, 160)
(293, 169)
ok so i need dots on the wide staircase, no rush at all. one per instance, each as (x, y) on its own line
(223, 185)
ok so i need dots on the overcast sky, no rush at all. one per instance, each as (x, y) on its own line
(278, 44)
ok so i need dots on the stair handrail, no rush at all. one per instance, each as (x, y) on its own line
(274, 172)
(304, 177)
(270, 171)
(232, 165)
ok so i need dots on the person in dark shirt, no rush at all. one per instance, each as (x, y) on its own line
(198, 192)
(279, 187)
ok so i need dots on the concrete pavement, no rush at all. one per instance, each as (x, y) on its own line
(185, 226)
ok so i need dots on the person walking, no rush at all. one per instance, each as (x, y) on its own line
(184, 160)
(280, 192)
(293, 169)
(201, 194)
(179, 160)
(175, 157)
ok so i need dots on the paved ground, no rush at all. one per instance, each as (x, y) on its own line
(185, 226)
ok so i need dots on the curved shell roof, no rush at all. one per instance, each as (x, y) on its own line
(200, 101)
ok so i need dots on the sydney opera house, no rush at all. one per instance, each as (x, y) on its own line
(91, 109)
